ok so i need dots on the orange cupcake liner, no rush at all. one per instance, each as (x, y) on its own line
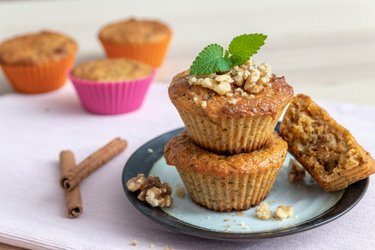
(39, 78)
(149, 53)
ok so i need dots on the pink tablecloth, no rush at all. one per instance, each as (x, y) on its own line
(34, 128)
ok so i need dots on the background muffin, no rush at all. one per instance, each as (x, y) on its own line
(112, 86)
(143, 40)
(37, 62)
(224, 113)
(225, 183)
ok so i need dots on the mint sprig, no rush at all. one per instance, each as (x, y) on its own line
(214, 58)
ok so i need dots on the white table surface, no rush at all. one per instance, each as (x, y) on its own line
(324, 48)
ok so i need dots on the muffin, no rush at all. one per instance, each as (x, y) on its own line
(111, 86)
(226, 182)
(37, 62)
(232, 112)
(143, 40)
(325, 148)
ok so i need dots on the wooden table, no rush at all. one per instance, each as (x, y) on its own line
(325, 49)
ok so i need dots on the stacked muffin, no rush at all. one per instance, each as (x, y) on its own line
(229, 155)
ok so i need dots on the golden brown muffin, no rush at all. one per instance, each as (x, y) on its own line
(226, 182)
(110, 70)
(36, 48)
(325, 148)
(135, 31)
(234, 123)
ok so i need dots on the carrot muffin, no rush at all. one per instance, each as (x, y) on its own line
(144, 40)
(232, 112)
(37, 62)
(226, 182)
(112, 86)
(111, 70)
(326, 149)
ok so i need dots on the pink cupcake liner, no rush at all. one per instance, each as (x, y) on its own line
(111, 98)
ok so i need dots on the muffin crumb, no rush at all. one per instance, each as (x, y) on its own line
(283, 212)
(133, 243)
(180, 191)
(296, 171)
(263, 211)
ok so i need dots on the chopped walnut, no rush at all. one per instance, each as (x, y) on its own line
(251, 77)
(204, 104)
(263, 211)
(232, 101)
(283, 212)
(296, 171)
(136, 183)
(152, 191)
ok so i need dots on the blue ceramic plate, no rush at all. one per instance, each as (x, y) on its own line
(312, 206)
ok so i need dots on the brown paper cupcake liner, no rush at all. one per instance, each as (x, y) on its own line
(234, 192)
(230, 135)
(39, 78)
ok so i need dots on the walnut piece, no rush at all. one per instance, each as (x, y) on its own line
(136, 183)
(283, 212)
(151, 190)
(296, 171)
(263, 211)
(249, 76)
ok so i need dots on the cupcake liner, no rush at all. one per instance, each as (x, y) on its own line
(230, 135)
(235, 192)
(110, 98)
(38, 78)
(149, 53)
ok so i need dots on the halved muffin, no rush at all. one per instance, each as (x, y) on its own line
(226, 182)
(325, 148)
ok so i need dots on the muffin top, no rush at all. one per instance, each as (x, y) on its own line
(110, 70)
(36, 48)
(181, 151)
(135, 31)
(228, 96)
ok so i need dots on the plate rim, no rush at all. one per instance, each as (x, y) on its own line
(344, 205)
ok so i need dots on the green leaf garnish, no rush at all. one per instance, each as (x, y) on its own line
(210, 59)
(214, 58)
(244, 46)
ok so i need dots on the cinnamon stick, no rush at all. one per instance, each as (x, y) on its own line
(74, 176)
(73, 199)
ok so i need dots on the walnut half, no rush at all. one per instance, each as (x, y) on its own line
(151, 190)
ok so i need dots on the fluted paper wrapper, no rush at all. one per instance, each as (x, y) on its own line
(110, 98)
(33, 79)
(230, 135)
(235, 192)
(149, 53)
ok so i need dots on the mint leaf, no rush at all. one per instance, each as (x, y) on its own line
(214, 58)
(210, 59)
(244, 46)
